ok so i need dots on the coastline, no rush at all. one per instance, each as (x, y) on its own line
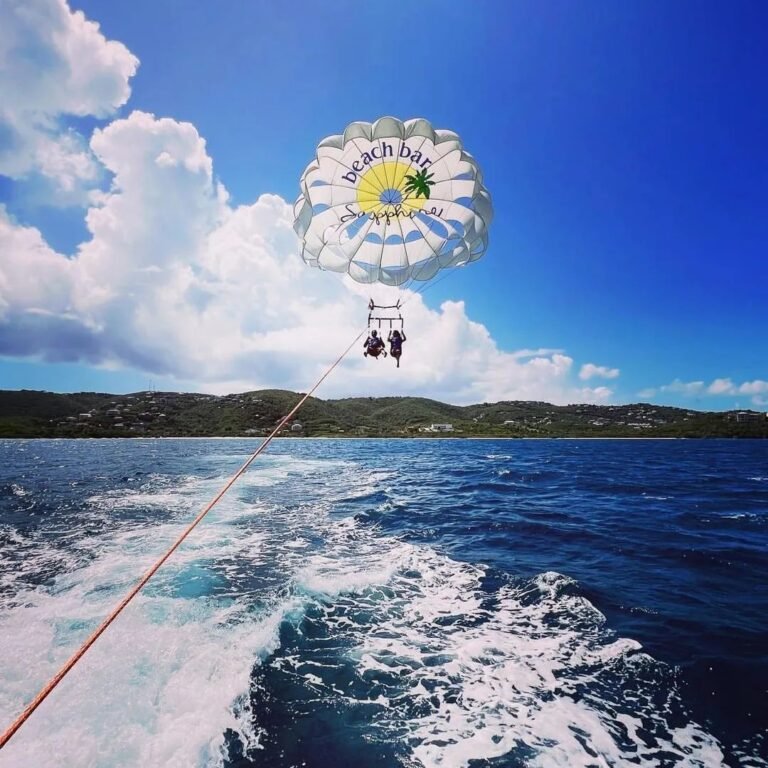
(361, 437)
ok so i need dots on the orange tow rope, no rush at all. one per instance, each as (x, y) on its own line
(59, 676)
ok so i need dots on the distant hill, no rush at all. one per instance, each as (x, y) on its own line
(29, 413)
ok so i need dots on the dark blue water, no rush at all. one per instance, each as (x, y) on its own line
(385, 603)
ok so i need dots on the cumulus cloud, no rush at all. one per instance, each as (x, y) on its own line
(176, 281)
(54, 62)
(722, 386)
(756, 387)
(590, 371)
(173, 279)
(683, 387)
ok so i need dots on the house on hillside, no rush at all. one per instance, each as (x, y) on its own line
(742, 417)
(441, 428)
(296, 427)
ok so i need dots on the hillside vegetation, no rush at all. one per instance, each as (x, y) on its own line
(170, 414)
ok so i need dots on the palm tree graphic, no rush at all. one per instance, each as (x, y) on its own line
(418, 184)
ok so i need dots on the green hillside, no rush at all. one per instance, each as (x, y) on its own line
(253, 414)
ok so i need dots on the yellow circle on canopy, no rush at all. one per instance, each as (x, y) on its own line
(382, 187)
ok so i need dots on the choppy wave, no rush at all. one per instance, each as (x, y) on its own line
(456, 672)
(316, 619)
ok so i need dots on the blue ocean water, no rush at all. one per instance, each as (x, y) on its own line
(415, 603)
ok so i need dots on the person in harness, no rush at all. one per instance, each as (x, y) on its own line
(396, 340)
(374, 346)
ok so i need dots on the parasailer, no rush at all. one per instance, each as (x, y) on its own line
(374, 346)
(392, 203)
(396, 339)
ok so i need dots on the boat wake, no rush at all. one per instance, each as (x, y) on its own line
(285, 633)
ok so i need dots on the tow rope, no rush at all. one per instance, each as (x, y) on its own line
(59, 676)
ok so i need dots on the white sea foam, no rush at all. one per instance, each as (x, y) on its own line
(472, 678)
(513, 680)
(460, 674)
(163, 684)
(173, 674)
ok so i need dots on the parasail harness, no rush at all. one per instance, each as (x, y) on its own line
(374, 317)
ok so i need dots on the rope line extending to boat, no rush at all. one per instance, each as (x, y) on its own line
(59, 676)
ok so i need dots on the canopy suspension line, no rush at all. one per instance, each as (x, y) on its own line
(374, 317)
(59, 676)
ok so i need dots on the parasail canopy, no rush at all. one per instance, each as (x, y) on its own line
(390, 202)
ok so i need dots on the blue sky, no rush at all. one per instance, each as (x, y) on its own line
(623, 144)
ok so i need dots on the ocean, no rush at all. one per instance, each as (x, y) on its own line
(417, 603)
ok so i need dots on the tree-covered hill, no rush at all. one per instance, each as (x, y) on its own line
(167, 414)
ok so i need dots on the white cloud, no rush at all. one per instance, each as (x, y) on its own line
(54, 62)
(589, 371)
(719, 387)
(683, 387)
(175, 281)
(756, 387)
(595, 394)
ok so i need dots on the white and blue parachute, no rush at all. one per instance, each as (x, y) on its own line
(392, 202)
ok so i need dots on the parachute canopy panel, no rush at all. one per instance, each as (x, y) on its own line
(392, 201)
